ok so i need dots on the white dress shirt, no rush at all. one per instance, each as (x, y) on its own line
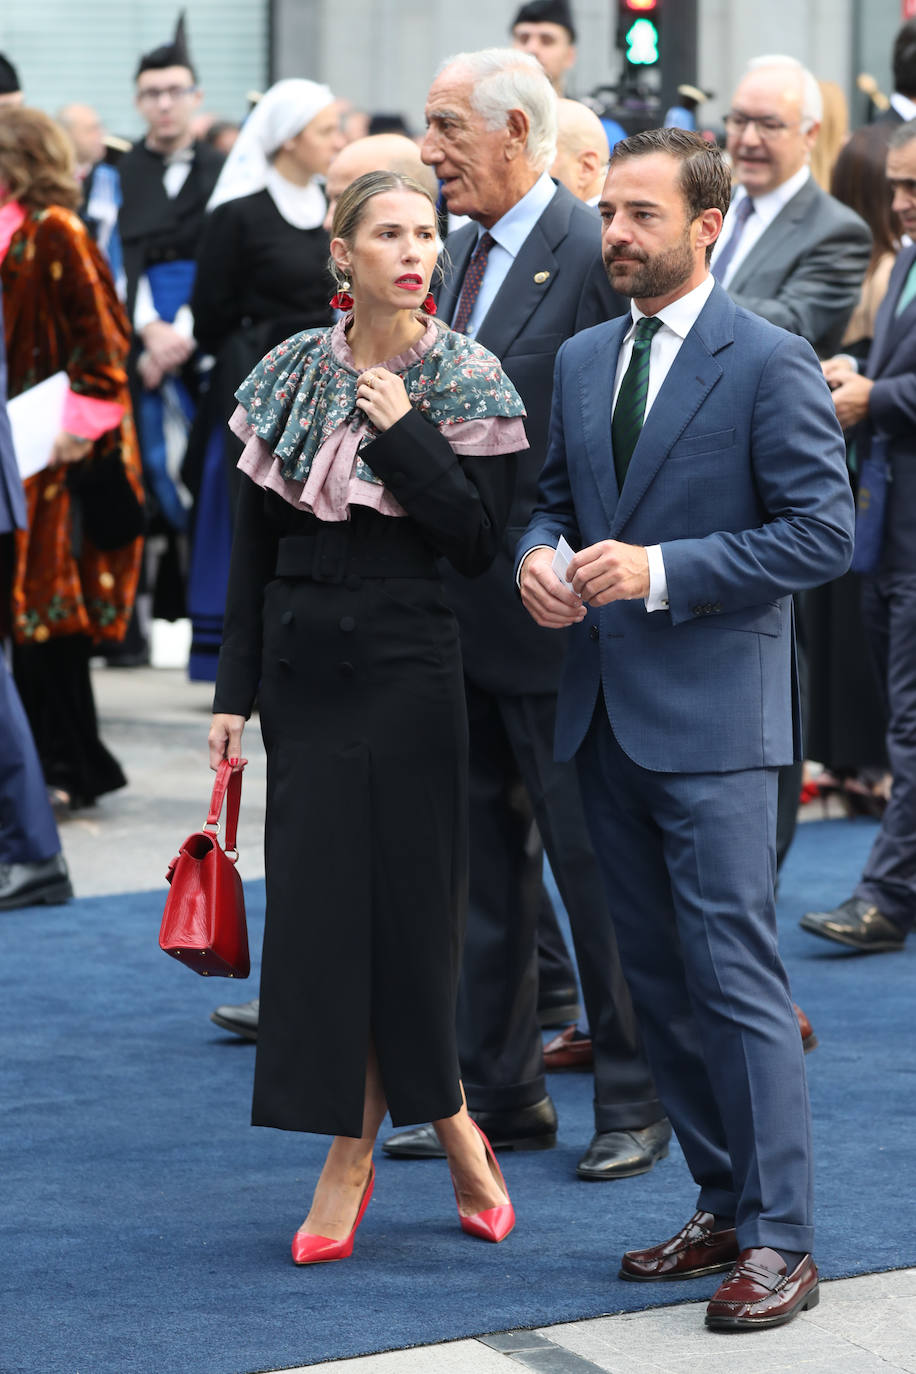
(677, 319)
(510, 233)
(765, 210)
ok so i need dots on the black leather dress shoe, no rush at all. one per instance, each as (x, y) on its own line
(525, 1128)
(857, 924)
(623, 1154)
(241, 1020)
(40, 884)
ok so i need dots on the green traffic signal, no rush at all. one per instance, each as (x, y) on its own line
(642, 43)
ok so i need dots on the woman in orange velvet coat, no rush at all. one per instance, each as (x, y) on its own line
(62, 314)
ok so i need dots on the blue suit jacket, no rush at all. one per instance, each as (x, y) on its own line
(12, 500)
(892, 415)
(739, 474)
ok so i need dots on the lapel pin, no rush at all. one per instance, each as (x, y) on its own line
(541, 277)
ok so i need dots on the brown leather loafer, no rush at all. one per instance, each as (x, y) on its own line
(758, 1292)
(809, 1039)
(696, 1250)
(568, 1050)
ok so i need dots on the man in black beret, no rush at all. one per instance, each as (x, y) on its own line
(545, 29)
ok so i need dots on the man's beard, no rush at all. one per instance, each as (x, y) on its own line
(652, 277)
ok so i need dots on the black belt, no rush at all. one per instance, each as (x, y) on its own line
(333, 555)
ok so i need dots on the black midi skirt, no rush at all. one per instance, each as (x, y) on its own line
(363, 717)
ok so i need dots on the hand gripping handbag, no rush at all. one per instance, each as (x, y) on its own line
(203, 924)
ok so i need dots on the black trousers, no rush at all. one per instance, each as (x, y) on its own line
(517, 790)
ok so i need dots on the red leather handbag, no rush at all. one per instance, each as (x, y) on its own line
(203, 924)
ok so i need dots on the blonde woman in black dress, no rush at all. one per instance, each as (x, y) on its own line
(373, 449)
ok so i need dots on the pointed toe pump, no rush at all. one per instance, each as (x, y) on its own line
(495, 1223)
(309, 1249)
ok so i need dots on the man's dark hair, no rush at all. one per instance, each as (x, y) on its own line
(174, 54)
(9, 77)
(704, 178)
(903, 59)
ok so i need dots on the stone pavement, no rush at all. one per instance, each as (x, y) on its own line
(156, 722)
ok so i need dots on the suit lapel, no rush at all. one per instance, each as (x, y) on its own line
(520, 294)
(693, 374)
(596, 399)
(780, 236)
(889, 326)
(460, 246)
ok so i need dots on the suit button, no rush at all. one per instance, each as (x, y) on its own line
(697, 610)
(347, 624)
(346, 669)
(594, 632)
(283, 662)
(286, 618)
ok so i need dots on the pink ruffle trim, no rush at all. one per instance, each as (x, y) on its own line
(12, 216)
(332, 487)
(90, 417)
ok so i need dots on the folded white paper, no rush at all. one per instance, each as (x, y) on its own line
(36, 419)
(561, 561)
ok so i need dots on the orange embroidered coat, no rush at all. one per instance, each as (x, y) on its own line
(61, 314)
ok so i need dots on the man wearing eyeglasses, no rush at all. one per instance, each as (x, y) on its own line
(788, 251)
(166, 180)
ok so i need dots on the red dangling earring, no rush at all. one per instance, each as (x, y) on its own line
(342, 300)
(429, 305)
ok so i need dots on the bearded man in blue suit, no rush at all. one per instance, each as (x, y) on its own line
(696, 463)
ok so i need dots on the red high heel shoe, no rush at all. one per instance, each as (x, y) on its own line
(320, 1249)
(494, 1223)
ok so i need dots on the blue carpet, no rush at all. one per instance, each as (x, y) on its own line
(145, 1226)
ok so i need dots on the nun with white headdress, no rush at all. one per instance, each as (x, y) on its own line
(262, 275)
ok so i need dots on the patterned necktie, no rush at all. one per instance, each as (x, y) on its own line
(743, 212)
(907, 292)
(630, 410)
(471, 284)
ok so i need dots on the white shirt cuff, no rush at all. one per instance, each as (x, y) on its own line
(518, 575)
(144, 310)
(657, 600)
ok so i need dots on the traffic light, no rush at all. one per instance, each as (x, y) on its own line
(638, 32)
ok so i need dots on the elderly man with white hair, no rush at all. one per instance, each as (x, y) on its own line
(788, 251)
(521, 277)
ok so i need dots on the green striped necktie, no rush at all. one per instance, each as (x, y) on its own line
(630, 410)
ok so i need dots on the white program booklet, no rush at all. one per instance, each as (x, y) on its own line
(36, 418)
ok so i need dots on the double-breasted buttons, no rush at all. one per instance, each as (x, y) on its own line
(594, 632)
(286, 618)
(347, 624)
(346, 670)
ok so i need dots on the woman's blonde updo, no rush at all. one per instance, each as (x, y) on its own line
(351, 205)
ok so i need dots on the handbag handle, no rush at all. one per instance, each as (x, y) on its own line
(228, 788)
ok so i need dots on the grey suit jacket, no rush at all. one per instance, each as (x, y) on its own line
(805, 271)
(555, 287)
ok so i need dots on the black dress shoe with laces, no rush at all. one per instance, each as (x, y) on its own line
(857, 924)
(623, 1154)
(39, 884)
(524, 1128)
(241, 1020)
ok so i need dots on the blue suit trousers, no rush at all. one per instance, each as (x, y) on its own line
(689, 863)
